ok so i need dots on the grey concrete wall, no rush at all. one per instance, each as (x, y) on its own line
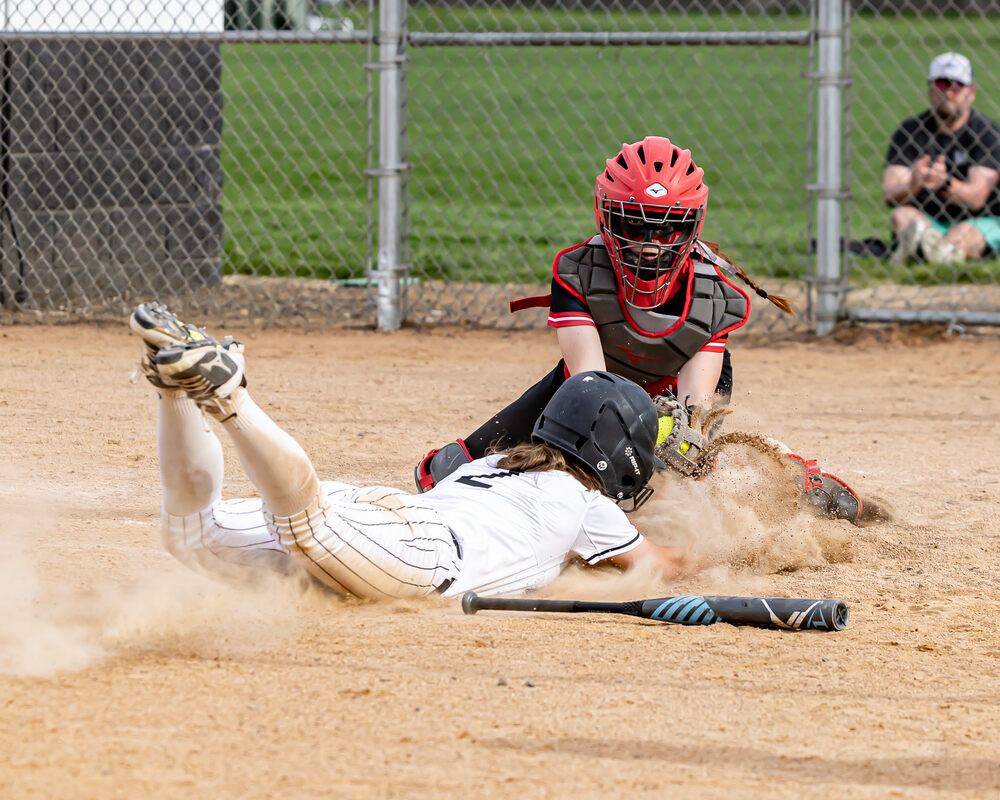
(110, 170)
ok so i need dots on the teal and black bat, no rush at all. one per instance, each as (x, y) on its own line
(786, 613)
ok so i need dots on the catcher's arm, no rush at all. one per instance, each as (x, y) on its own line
(581, 348)
(697, 379)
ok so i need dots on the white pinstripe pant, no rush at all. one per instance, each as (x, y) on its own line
(373, 542)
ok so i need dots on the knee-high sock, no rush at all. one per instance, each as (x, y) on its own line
(275, 463)
(191, 463)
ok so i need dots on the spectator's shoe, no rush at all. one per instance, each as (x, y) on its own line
(909, 243)
(209, 372)
(938, 250)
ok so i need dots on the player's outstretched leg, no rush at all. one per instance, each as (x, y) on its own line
(824, 493)
(190, 455)
(372, 543)
(222, 539)
(828, 494)
(212, 375)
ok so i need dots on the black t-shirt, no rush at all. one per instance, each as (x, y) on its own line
(977, 143)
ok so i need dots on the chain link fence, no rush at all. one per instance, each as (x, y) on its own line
(224, 154)
(526, 130)
(892, 45)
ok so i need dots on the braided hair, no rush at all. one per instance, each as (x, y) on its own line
(781, 302)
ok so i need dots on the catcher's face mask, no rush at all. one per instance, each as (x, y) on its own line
(650, 244)
(649, 205)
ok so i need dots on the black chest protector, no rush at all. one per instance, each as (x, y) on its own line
(652, 345)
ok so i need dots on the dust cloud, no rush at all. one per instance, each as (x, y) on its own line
(51, 627)
(747, 518)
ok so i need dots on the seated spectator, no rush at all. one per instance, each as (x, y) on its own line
(941, 173)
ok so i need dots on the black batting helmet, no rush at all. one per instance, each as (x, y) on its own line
(608, 424)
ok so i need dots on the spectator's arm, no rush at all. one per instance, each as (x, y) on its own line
(898, 185)
(974, 192)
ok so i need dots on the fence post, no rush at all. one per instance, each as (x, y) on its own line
(390, 122)
(829, 195)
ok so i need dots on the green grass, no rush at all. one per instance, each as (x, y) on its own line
(889, 62)
(505, 142)
(293, 155)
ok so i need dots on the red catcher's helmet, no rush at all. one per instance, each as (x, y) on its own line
(649, 203)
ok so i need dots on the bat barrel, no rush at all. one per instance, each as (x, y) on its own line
(788, 613)
(839, 614)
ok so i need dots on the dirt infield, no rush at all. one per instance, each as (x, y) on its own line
(122, 675)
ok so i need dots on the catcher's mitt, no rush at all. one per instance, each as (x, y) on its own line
(685, 433)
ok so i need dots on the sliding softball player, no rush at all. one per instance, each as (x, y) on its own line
(499, 525)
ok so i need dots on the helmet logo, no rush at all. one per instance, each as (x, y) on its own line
(656, 190)
(630, 455)
(601, 465)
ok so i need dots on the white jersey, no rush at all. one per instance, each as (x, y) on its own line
(518, 531)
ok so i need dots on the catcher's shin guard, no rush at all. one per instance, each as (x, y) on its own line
(827, 493)
(439, 464)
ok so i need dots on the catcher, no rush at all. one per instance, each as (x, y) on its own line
(645, 298)
(502, 525)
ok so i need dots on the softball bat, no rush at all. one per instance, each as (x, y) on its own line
(786, 613)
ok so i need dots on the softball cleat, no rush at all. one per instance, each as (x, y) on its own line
(828, 494)
(209, 372)
(160, 327)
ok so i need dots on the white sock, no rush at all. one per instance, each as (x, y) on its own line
(191, 462)
(275, 463)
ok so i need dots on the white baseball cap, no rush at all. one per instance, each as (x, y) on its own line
(953, 66)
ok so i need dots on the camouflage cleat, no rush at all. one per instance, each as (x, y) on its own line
(160, 328)
(209, 372)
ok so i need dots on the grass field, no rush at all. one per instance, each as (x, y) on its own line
(504, 143)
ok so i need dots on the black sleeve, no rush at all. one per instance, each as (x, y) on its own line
(565, 302)
(902, 147)
(987, 152)
(724, 388)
